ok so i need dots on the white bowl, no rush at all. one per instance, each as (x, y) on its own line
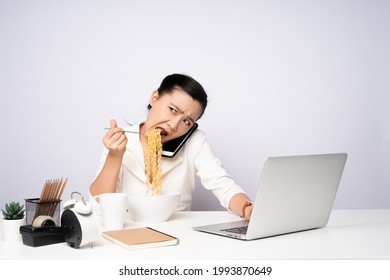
(153, 209)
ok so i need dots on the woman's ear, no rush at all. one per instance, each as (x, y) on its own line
(153, 97)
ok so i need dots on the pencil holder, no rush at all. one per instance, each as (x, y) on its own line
(35, 208)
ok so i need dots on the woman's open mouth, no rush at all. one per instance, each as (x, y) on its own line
(163, 132)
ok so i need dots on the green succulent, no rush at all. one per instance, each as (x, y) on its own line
(13, 211)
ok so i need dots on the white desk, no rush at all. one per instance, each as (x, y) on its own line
(350, 234)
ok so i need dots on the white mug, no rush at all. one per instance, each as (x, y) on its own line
(113, 207)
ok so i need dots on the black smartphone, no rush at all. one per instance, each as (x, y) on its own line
(171, 147)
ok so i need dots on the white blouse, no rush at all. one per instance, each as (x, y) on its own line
(178, 174)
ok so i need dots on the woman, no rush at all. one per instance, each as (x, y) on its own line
(173, 108)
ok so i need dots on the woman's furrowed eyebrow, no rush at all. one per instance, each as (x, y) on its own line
(182, 112)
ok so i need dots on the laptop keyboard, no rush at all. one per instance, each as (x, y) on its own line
(241, 230)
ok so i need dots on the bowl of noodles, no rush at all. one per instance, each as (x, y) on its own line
(147, 208)
(154, 204)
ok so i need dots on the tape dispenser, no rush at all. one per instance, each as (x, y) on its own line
(80, 224)
(43, 231)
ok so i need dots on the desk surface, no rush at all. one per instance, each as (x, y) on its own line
(350, 234)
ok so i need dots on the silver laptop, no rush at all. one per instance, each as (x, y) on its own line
(295, 193)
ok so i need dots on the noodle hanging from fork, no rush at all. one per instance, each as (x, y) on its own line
(152, 159)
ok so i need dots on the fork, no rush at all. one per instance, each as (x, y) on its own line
(129, 131)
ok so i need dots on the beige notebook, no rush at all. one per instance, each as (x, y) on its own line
(138, 238)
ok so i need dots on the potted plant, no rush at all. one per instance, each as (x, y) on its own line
(13, 219)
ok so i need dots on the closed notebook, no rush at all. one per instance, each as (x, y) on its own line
(138, 238)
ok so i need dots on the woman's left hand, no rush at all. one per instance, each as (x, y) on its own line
(248, 212)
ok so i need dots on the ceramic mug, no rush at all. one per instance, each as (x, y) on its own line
(113, 207)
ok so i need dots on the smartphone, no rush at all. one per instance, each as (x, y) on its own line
(171, 147)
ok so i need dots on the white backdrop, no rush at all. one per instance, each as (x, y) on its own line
(283, 77)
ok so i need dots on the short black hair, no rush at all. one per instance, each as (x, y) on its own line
(186, 84)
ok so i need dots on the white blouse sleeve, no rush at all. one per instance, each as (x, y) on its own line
(212, 174)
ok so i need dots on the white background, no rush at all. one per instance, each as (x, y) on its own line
(283, 78)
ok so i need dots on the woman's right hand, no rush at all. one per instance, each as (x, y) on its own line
(115, 140)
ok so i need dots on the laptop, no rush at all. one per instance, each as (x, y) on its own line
(295, 193)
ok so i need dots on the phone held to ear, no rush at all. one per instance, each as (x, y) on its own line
(171, 147)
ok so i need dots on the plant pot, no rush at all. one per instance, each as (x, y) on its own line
(11, 231)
